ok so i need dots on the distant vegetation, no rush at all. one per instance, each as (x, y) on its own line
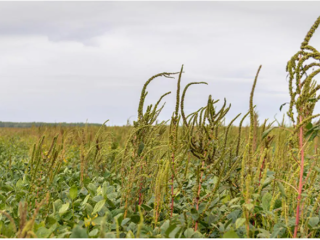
(38, 124)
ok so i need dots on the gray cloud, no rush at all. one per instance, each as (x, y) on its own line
(72, 61)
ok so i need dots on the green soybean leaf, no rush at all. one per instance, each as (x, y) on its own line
(64, 208)
(248, 206)
(194, 214)
(125, 221)
(175, 232)
(276, 231)
(263, 233)
(130, 234)
(196, 235)
(135, 219)
(85, 200)
(43, 232)
(170, 229)
(146, 207)
(110, 235)
(93, 233)
(230, 234)
(99, 205)
(313, 222)
(188, 233)
(79, 232)
(73, 192)
(240, 222)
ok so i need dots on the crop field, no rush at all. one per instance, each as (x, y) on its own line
(193, 176)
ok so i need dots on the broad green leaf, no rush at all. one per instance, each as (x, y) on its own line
(64, 208)
(277, 204)
(130, 234)
(275, 232)
(115, 212)
(135, 219)
(53, 227)
(104, 189)
(240, 222)
(313, 222)
(175, 232)
(79, 232)
(230, 234)
(119, 218)
(248, 206)
(99, 205)
(73, 192)
(234, 215)
(194, 214)
(66, 217)
(110, 235)
(85, 200)
(146, 207)
(170, 229)
(19, 183)
(125, 221)
(196, 235)
(92, 188)
(97, 198)
(56, 205)
(188, 233)
(278, 230)
(43, 232)
(98, 221)
(264, 233)
(234, 200)
(270, 173)
(111, 204)
(311, 134)
(164, 226)
(94, 232)
(266, 182)
(89, 208)
(266, 199)
(226, 199)
(110, 189)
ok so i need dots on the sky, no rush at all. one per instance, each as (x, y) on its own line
(88, 61)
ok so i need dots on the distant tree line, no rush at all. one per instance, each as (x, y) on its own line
(38, 124)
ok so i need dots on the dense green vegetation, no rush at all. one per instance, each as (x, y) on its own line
(192, 176)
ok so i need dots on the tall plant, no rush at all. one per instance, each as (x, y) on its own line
(302, 69)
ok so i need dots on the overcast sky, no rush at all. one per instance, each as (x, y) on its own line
(78, 61)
